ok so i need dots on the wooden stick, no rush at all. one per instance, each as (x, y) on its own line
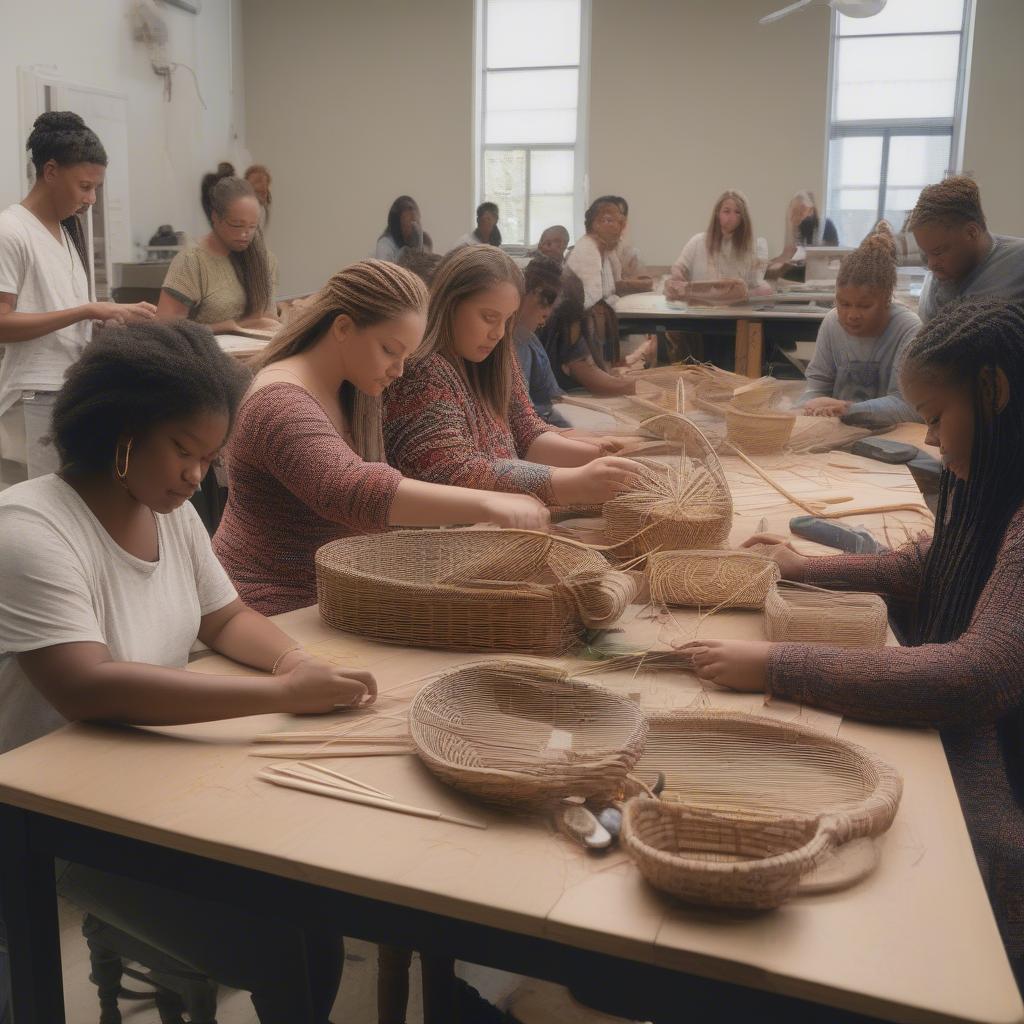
(327, 737)
(280, 769)
(367, 801)
(811, 510)
(321, 752)
(345, 778)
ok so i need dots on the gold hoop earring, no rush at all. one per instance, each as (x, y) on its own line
(121, 472)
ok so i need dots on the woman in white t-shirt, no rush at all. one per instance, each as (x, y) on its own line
(107, 578)
(722, 262)
(45, 309)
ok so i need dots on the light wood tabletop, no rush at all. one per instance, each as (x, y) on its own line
(915, 941)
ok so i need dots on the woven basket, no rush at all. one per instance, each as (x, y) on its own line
(711, 579)
(750, 805)
(526, 734)
(825, 617)
(758, 433)
(469, 590)
(713, 396)
(686, 505)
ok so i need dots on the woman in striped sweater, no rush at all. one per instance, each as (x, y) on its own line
(963, 672)
(461, 414)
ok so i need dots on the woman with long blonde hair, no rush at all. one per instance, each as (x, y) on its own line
(462, 415)
(724, 255)
(306, 461)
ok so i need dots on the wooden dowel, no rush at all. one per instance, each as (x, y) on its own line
(367, 801)
(345, 778)
(280, 769)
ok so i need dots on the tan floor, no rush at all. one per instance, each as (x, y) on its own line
(536, 1002)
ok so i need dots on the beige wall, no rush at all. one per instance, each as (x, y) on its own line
(688, 98)
(994, 140)
(350, 105)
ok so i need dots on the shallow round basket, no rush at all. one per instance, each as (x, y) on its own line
(469, 590)
(750, 805)
(758, 433)
(526, 734)
(713, 396)
(792, 615)
(711, 579)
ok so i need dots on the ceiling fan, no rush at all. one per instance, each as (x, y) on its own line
(851, 8)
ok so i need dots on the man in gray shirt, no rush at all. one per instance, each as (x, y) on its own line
(961, 255)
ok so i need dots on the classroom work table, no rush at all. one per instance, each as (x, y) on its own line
(915, 941)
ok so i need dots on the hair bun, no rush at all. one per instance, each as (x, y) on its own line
(225, 170)
(58, 121)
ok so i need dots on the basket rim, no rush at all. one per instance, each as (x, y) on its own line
(548, 673)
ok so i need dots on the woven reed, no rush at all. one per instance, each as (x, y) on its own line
(469, 590)
(526, 734)
(754, 423)
(825, 617)
(687, 505)
(711, 579)
(750, 805)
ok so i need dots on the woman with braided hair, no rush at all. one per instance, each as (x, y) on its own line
(963, 672)
(855, 369)
(306, 463)
(962, 257)
(227, 281)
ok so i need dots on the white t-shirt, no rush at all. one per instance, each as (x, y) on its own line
(63, 579)
(596, 269)
(695, 265)
(47, 276)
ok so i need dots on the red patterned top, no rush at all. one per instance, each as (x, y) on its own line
(294, 485)
(965, 689)
(436, 429)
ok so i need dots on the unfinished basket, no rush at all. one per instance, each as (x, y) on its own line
(526, 734)
(758, 433)
(711, 579)
(795, 615)
(469, 590)
(750, 805)
(685, 505)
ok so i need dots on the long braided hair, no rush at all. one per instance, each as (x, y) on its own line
(369, 293)
(955, 200)
(969, 342)
(252, 264)
(62, 136)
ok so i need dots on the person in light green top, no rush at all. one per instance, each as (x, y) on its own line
(227, 281)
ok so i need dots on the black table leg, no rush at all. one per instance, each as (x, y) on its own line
(29, 900)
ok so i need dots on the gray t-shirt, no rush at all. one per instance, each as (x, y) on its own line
(63, 579)
(864, 371)
(1000, 275)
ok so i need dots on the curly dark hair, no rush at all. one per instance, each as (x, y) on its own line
(130, 379)
(954, 200)
(544, 276)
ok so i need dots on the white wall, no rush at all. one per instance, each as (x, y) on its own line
(994, 140)
(170, 144)
(351, 104)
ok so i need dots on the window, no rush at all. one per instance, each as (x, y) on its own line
(531, 156)
(897, 96)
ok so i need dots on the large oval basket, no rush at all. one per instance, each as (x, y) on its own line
(469, 590)
(750, 805)
(526, 734)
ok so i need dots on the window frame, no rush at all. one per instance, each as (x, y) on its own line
(888, 128)
(579, 148)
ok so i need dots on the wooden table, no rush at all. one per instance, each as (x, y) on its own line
(648, 311)
(182, 807)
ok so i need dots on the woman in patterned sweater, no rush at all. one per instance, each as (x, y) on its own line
(305, 463)
(461, 414)
(964, 671)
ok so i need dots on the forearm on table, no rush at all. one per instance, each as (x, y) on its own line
(250, 639)
(554, 449)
